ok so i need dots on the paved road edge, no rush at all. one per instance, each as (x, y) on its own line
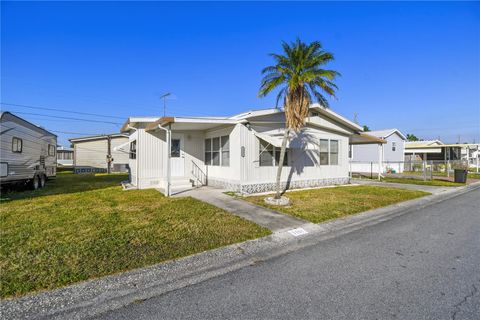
(96, 296)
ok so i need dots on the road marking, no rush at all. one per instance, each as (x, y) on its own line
(297, 232)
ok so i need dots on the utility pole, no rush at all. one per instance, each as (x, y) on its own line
(109, 154)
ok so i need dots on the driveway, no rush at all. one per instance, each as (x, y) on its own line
(421, 265)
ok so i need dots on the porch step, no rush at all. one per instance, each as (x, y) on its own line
(180, 184)
(126, 185)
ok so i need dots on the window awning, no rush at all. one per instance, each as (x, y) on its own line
(275, 141)
(122, 148)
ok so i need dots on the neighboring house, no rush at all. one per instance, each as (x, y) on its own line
(437, 151)
(27, 152)
(64, 157)
(387, 153)
(238, 153)
(431, 150)
(100, 153)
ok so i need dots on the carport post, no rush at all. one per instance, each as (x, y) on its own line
(380, 158)
(478, 151)
(169, 153)
(424, 167)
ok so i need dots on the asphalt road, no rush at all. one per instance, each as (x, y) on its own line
(421, 265)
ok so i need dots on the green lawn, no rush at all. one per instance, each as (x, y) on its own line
(319, 205)
(434, 182)
(85, 226)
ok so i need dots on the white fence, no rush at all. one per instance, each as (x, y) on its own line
(422, 169)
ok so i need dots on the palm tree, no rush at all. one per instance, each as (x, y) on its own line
(299, 75)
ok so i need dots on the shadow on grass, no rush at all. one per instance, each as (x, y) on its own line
(65, 182)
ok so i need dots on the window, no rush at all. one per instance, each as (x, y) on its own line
(133, 150)
(334, 152)
(394, 146)
(68, 156)
(323, 152)
(217, 151)
(277, 156)
(270, 155)
(225, 142)
(17, 145)
(329, 152)
(266, 154)
(51, 150)
(175, 148)
(208, 152)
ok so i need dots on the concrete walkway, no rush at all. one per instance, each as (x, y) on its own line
(431, 189)
(264, 217)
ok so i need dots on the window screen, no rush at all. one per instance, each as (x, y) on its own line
(334, 152)
(225, 141)
(266, 154)
(133, 150)
(323, 152)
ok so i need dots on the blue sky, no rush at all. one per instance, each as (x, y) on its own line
(414, 66)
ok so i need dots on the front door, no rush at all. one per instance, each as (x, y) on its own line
(177, 156)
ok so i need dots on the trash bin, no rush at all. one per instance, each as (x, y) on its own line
(461, 175)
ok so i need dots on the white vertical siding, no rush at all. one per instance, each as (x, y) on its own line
(151, 158)
(93, 153)
(232, 172)
(297, 168)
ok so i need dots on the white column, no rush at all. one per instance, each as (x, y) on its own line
(424, 167)
(478, 151)
(380, 160)
(169, 152)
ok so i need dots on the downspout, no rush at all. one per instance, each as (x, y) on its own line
(137, 155)
(168, 137)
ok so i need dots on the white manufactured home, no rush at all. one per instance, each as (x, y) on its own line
(100, 153)
(64, 157)
(384, 153)
(238, 153)
(27, 152)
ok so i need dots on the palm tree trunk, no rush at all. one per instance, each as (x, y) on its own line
(280, 163)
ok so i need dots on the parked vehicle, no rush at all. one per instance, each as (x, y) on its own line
(27, 152)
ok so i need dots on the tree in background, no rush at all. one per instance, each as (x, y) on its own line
(412, 137)
(366, 128)
(299, 74)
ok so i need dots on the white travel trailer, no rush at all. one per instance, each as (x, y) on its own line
(28, 152)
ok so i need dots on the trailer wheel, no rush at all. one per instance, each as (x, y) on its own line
(42, 181)
(34, 183)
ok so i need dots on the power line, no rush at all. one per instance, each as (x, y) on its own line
(78, 133)
(69, 118)
(61, 110)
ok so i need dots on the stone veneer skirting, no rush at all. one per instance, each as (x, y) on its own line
(249, 188)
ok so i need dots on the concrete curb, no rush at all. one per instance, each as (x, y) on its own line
(93, 297)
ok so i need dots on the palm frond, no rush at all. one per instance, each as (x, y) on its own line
(299, 69)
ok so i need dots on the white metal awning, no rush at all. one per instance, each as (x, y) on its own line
(275, 141)
(122, 146)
